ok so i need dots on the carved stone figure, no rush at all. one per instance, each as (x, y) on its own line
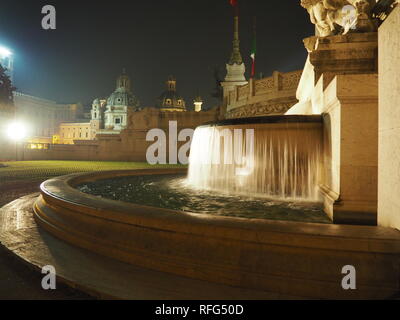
(331, 17)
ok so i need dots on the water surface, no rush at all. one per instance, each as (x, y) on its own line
(172, 192)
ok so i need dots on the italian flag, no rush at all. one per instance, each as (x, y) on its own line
(235, 4)
(253, 56)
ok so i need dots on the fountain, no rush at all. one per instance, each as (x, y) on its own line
(277, 157)
(331, 150)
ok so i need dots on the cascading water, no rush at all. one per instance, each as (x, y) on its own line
(279, 159)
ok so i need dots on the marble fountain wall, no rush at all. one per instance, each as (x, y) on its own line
(389, 122)
(340, 82)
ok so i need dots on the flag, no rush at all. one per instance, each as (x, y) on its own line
(253, 52)
(235, 4)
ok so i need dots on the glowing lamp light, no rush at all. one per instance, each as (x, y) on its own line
(17, 131)
(4, 52)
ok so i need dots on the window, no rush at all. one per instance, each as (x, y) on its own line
(118, 121)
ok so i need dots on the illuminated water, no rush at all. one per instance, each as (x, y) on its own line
(172, 192)
(274, 160)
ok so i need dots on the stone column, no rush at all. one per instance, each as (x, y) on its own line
(345, 93)
(389, 122)
(350, 154)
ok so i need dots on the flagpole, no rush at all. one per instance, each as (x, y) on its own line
(254, 49)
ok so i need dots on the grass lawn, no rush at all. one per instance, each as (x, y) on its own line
(23, 177)
(42, 170)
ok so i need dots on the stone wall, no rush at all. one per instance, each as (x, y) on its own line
(340, 81)
(69, 132)
(389, 122)
(268, 96)
(130, 144)
(349, 105)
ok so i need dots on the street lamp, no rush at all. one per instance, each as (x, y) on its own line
(17, 132)
(4, 52)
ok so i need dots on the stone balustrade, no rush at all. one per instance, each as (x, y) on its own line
(268, 96)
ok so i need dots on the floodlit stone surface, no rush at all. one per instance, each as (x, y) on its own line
(98, 275)
(130, 144)
(298, 259)
(261, 97)
(389, 122)
(340, 82)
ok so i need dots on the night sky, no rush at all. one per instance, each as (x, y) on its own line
(152, 39)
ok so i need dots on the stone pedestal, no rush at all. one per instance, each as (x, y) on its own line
(344, 89)
(389, 121)
(350, 154)
(354, 53)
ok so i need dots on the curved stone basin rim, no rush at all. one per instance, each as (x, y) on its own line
(63, 189)
(299, 259)
(282, 119)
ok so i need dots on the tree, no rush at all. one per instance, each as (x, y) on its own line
(6, 87)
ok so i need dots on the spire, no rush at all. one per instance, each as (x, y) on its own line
(235, 68)
(236, 57)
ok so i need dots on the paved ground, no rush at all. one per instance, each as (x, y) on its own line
(99, 275)
(17, 280)
(20, 282)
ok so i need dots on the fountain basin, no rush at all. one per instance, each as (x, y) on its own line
(299, 259)
(173, 192)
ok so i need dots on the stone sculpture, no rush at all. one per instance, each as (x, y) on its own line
(331, 17)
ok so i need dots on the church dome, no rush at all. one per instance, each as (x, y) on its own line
(122, 97)
(170, 99)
